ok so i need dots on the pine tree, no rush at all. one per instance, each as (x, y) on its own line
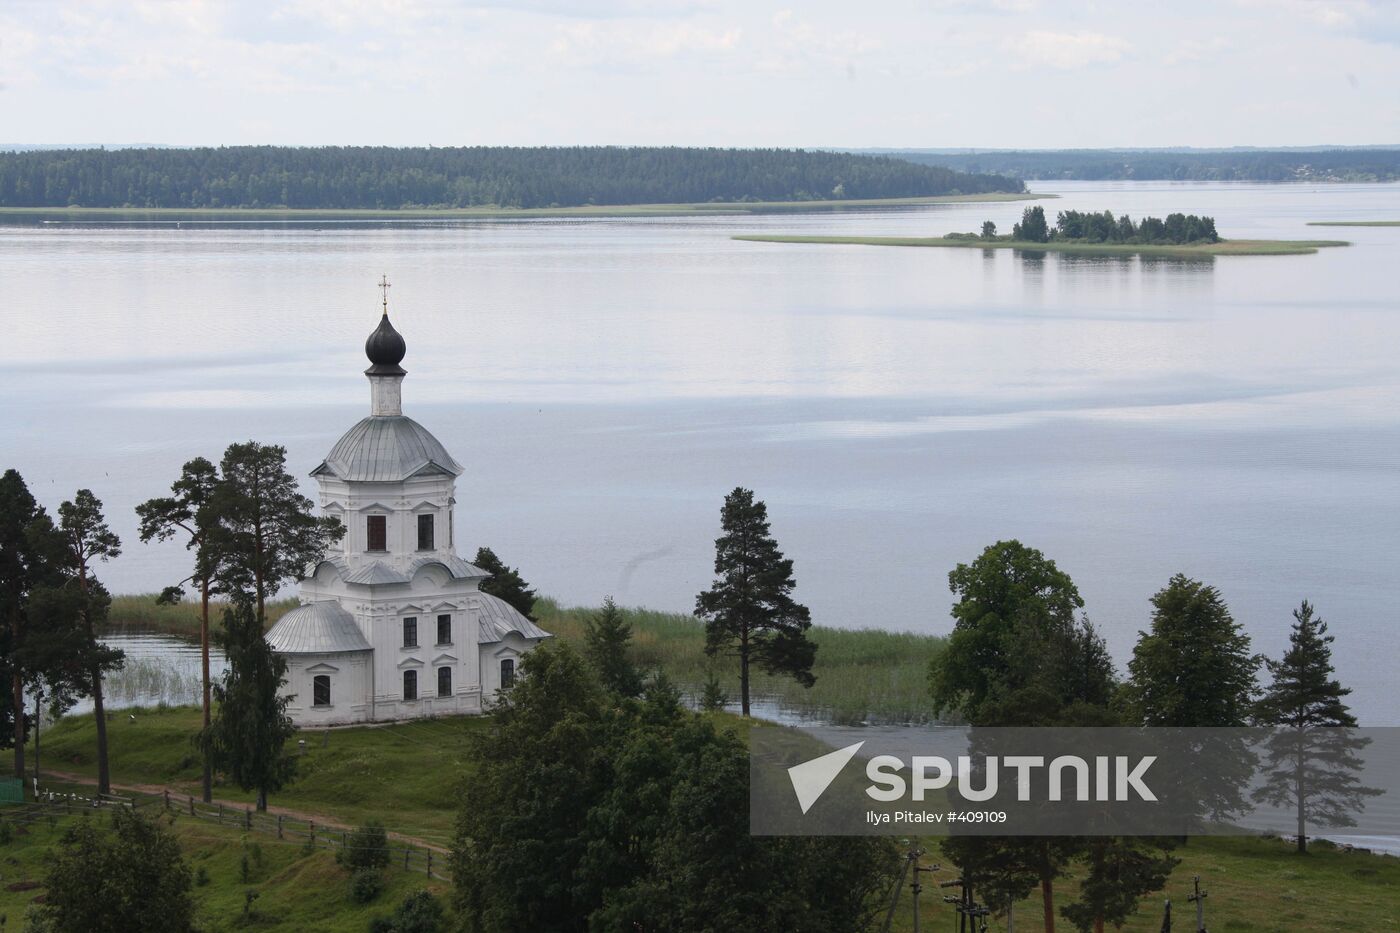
(506, 583)
(713, 698)
(187, 511)
(607, 637)
(262, 532)
(1311, 761)
(749, 611)
(89, 540)
(1120, 871)
(248, 732)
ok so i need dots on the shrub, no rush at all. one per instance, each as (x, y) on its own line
(366, 847)
(420, 912)
(365, 885)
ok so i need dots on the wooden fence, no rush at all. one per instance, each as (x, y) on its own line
(49, 806)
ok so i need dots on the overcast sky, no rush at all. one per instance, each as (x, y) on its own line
(853, 73)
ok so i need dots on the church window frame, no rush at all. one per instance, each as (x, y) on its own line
(321, 691)
(377, 533)
(410, 685)
(444, 629)
(444, 682)
(410, 632)
(426, 531)
(507, 673)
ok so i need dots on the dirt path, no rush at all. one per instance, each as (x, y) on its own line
(179, 797)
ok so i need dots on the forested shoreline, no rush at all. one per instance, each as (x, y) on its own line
(1357, 165)
(338, 177)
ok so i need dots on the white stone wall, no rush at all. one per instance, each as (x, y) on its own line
(349, 675)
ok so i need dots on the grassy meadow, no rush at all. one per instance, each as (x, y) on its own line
(1185, 251)
(282, 873)
(861, 674)
(406, 774)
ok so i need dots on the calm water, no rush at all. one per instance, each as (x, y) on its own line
(606, 382)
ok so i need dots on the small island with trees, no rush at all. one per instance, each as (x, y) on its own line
(1176, 236)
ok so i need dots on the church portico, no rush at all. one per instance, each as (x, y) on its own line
(393, 624)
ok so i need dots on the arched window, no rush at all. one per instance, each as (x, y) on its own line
(410, 685)
(444, 681)
(321, 690)
(507, 672)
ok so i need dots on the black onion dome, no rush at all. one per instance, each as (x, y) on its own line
(385, 348)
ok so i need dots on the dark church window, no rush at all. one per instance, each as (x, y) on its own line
(425, 532)
(508, 673)
(444, 681)
(444, 630)
(321, 690)
(377, 532)
(410, 632)
(410, 685)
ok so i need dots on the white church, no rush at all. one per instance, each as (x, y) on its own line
(392, 623)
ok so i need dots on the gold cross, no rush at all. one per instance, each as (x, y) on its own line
(384, 287)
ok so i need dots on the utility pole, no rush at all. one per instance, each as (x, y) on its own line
(918, 885)
(1200, 898)
(1167, 918)
(959, 901)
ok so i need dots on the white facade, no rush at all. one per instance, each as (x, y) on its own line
(392, 624)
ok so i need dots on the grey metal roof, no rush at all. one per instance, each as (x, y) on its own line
(499, 618)
(378, 573)
(459, 568)
(387, 448)
(322, 627)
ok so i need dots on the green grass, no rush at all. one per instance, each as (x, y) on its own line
(861, 674)
(405, 776)
(297, 891)
(215, 215)
(1188, 251)
(1354, 223)
(1254, 884)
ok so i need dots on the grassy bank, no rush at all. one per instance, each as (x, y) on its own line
(233, 214)
(865, 674)
(1354, 223)
(405, 776)
(1189, 251)
(297, 890)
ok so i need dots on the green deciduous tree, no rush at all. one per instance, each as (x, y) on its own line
(263, 533)
(131, 878)
(1311, 762)
(749, 611)
(188, 512)
(607, 638)
(584, 813)
(88, 541)
(250, 727)
(506, 583)
(1032, 227)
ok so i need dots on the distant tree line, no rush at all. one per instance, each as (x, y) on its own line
(348, 177)
(1238, 165)
(1090, 227)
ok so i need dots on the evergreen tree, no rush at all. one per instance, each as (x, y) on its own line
(607, 637)
(25, 565)
(1032, 227)
(251, 726)
(1121, 870)
(132, 878)
(713, 698)
(1311, 760)
(88, 540)
(261, 532)
(1194, 668)
(749, 611)
(506, 583)
(187, 511)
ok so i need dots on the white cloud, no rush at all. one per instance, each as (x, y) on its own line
(1067, 49)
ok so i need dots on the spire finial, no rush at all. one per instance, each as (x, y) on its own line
(384, 288)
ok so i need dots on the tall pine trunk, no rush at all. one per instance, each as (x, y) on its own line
(104, 777)
(1302, 820)
(1047, 898)
(208, 772)
(744, 670)
(38, 701)
(17, 697)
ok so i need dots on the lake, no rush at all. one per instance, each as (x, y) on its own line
(606, 381)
